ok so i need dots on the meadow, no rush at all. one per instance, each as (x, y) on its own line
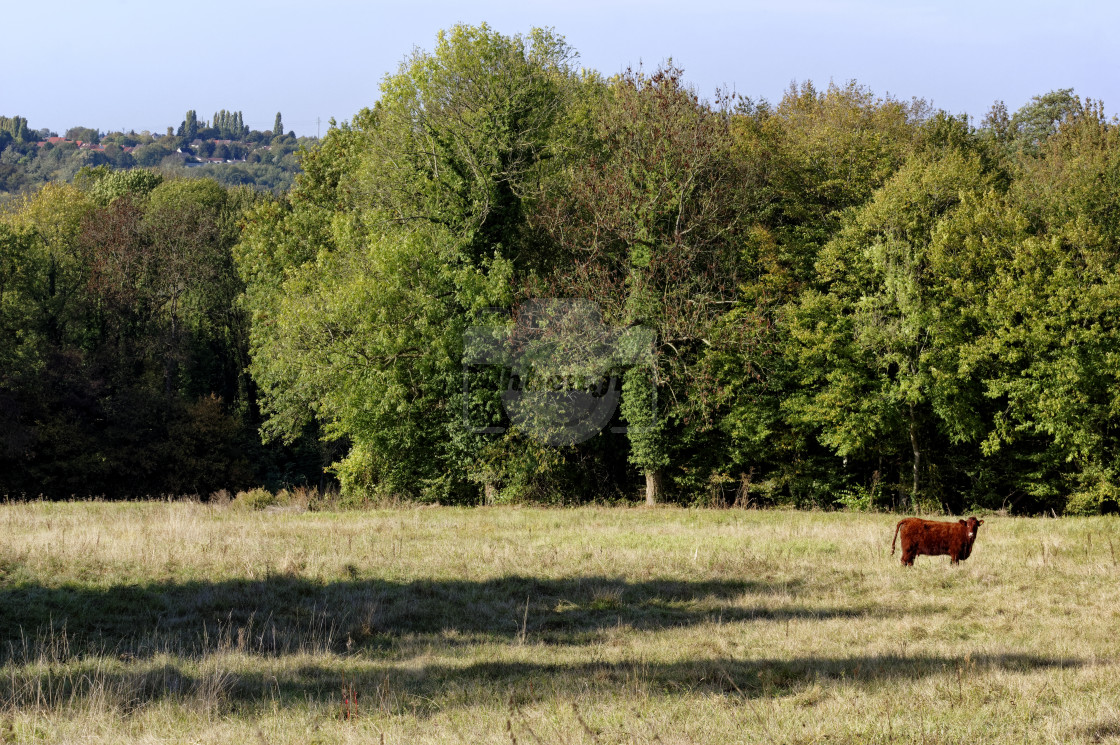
(160, 622)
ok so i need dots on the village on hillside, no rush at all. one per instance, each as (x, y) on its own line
(233, 153)
(219, 151)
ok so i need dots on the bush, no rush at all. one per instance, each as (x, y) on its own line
(257, 499)
(1099, 498)
(856, 499)
(307, 498)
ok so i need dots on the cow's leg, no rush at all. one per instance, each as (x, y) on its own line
(908, 557)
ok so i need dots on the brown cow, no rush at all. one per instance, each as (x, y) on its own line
(934, 538)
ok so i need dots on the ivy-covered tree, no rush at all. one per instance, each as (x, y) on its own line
(647, 228)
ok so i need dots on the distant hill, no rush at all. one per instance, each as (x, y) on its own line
(222, 148)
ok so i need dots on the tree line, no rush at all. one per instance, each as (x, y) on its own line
(854, 300)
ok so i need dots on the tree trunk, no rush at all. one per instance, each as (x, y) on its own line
(653, 487)
(917, 457)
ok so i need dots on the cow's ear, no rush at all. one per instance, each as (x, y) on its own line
(979, 522)
(962, 522)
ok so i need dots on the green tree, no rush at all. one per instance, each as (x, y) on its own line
(17, 128)
(104, 185)
(401, 233)
(278, 126)
(1035, 122)
(803, 164)
(878, 348)
(189, 128)
(83, 134)
(1052, 319)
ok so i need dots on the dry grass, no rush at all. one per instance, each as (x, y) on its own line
(179, 622)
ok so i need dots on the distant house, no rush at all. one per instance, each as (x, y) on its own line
(62, 140)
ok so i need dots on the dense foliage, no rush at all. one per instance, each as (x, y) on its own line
(122, 348)
(854, 301)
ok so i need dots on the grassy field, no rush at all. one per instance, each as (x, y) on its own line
(179, 622)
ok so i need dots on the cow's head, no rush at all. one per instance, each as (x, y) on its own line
(971, 526)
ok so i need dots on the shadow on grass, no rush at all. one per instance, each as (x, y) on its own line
(1105, 730)
(285, 614)
(385, 689)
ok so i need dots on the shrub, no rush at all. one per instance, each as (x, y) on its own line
(1101, 497)
(257, 499)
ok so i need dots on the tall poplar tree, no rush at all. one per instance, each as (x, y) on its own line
(190, 126)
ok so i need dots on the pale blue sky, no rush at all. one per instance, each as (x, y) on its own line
(126, 64)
